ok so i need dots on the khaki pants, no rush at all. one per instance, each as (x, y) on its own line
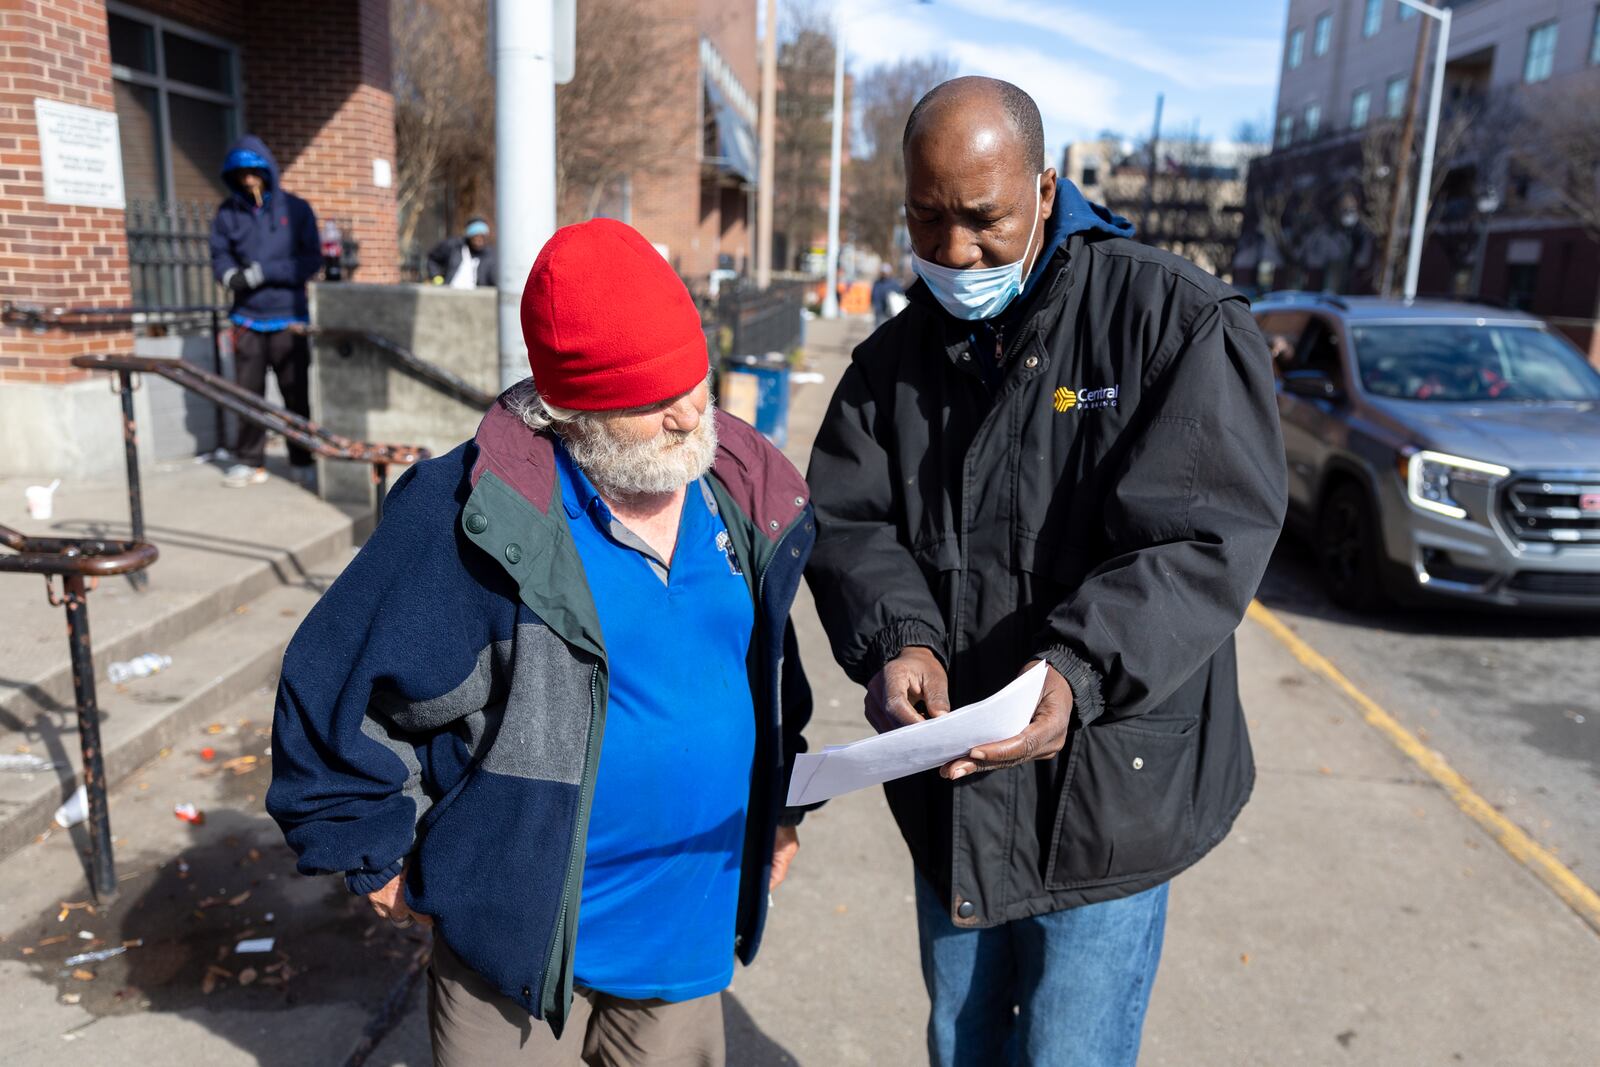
(474, 1026)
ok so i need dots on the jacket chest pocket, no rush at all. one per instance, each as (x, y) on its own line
(1127, 804)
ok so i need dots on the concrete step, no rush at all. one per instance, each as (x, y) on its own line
(227, 660)
(220, 549)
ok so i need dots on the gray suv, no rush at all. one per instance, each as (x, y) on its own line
(1438, 450)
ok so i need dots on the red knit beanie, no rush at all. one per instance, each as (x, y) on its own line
(608, 323)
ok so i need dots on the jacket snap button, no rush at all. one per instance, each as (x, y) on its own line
(513, 553)
(965, 909)
(799, 501)
(1031, 362)
(773, 525)
(527, 993)
(477, 523)
(795, 552)
(1138, 763)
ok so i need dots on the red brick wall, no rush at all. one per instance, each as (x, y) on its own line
(316, 85)
(53, 254)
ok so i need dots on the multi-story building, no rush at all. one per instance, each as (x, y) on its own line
(1344, 83)
(1190, 203)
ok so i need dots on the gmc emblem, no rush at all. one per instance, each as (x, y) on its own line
(1589, 502)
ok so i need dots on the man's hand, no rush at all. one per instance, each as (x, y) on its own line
(390, 903)
(1042, 738)
(913, 677)
(783, 853)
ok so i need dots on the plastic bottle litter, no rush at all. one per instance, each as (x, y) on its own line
(23, 762)
(75, 810)
(138, 667)
(94, 957)
(254, 945)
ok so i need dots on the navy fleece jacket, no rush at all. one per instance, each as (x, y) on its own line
(281, 235)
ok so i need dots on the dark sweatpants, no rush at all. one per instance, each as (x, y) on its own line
(289, 356)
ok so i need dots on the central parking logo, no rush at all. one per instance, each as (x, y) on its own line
(1065, 399)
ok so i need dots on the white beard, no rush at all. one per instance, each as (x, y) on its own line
(663, 464)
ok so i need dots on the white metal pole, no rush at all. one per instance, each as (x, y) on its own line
(1419, 215)
(830, 295)
(524, 160)
(767, 188)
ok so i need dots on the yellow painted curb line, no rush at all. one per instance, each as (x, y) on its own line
(1524, 849)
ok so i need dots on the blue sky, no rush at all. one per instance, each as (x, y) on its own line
(1094, 66)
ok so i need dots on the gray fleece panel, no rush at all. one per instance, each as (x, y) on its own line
(525, 705)
(402, 748)
(545, 728)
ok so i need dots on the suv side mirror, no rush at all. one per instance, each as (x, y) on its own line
(1312, 384)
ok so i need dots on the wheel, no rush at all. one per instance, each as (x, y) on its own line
(1347, 549)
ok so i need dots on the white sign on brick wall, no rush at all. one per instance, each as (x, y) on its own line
(81, 155)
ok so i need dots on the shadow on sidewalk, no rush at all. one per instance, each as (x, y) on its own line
(747, 1045)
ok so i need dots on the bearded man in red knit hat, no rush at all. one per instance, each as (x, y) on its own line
(551, 707)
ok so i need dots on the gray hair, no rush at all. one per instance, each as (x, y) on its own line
(537, 413)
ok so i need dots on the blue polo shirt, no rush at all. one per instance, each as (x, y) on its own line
(661, 875)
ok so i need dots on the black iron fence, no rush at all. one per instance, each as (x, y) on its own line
(169, 253)
(742, 320)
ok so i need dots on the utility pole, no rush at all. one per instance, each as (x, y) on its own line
(768, 176)
(1402, 167)
(1430, 141)
(524, 159)
(1150, 177)
(830, 292)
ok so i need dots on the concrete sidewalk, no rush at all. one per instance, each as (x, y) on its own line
(1353, 916)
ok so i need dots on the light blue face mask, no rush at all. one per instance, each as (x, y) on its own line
(978, 292)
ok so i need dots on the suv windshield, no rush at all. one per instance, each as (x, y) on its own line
(1468, 362)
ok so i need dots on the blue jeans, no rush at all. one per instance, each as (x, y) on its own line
(1067, 989)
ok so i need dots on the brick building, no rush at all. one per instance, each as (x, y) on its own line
(1344, 82)
(183, 79)
(697, 202)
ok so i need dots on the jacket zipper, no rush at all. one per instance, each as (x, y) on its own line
(562, 943)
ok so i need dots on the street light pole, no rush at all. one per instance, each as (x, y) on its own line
(1419, 215)
(524, 160)
(769, 115)
(830, 293)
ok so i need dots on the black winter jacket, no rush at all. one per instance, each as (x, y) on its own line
(1110, 506)
(446, 257)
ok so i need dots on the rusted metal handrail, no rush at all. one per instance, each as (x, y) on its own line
(246, 405)
(81, 562)
(407, 360)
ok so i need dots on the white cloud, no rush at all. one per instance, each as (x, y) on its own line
(1074, 100)
(1212, 62)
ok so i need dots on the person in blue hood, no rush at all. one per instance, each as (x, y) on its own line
(264, 248)
(1061, 461)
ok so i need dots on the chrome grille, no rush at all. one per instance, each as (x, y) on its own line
(1553, 511)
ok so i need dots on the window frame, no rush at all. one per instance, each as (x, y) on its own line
(1548, 56)
(1295, 54)
(1313, 120)
(164, 86)
(1365, 95)
(1322, 34)
(1372, 19)
(1594, 39)
(1285, 131)
(1389, 93)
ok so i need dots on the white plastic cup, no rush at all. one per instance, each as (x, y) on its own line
(75, 810)
(41, 505)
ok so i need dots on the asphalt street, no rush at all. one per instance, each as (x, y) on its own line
(1511, 701)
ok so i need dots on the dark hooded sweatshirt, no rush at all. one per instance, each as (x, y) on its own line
(281, 235)
(1104, 496)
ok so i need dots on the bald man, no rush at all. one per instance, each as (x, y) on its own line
(1065, 450)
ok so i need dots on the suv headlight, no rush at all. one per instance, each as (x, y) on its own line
(1450, 485)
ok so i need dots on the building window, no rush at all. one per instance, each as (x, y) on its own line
(1323, 35)
(1360, 109)
(1297, 48)
(1594, 40)
(1091, 174)
(177, 100)
(1313, 120)
(1372, 19)
(1394, 97)
(1285, 130)
(1406, 12)
(1541, 53)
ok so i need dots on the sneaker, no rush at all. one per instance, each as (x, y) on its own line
(238, 476)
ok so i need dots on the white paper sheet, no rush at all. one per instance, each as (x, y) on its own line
(921, 746)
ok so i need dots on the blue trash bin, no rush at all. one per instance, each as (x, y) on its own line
(756, 389)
